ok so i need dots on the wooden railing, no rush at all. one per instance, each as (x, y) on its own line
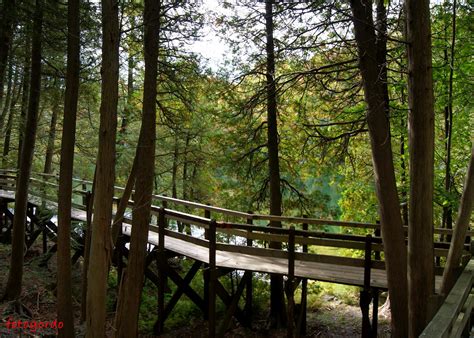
(40, 183)
(453, 319)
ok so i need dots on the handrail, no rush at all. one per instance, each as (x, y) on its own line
(454, 314)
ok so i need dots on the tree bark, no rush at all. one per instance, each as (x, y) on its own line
(25, 91)
(447, 209)
(68, 140)
(15, 277)
(8, 98)
(130, 292)
(277, 301)
(421, 145)
(461, 227)
(174, 169)
(6, 32)
(8, 127)
(385, 183)
(51, 138)
(101, 240)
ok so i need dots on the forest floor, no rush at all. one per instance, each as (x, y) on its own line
(328, 314)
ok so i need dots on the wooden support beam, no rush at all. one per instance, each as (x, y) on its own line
(233, 306)
(375, 311)
(31, 237)
(205, 273)
(77, 254)
(162, 266)
(227, 300)
(365, 296)
(119, 256)
(301, 321)
(377, 233)
(212, 280)
(249, 286)
(188, 291)
(180, 291)
(291, 276)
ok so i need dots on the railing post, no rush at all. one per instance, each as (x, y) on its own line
(301, 326)
(291, 276)
(165, 206)
(377, 233)
(118, 251)
(84, 189)
(365, 296)
(87, 244)
(249, 286)
(161, 269)
(205, 274)
(212, 279)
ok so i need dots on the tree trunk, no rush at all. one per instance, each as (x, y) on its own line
(9, 125)
(122, 206)
(403, 166)
(15, 277)
(277, 301)
(174, 169)
(462, 224)
(447, 209)
(87, 249)
(185, 167)
(25, 92)
(174, 175)
(382, 158)
(421, 144)
(8, 98)
(6, 32)
(51, 138)
(130, 88)
(68, 140)
(130, 292)
(101, 240)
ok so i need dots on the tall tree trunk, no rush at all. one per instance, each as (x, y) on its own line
(130, 290)
(87, 249)
(51, 138)
(403, 164)
(128, 108)
(101, 240)
(192, 189)
(6, 105)
(186, 228)
(127, 112)
(8, 127)
(185, 167)
(174, 169)
(25, 91)
(15, 277)
(421, 144)
(68, 140)
(385, 183)
(174, 174)
(6, 32)
(403, 167)
(447, 209)
(462, 225)
(277, 301)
